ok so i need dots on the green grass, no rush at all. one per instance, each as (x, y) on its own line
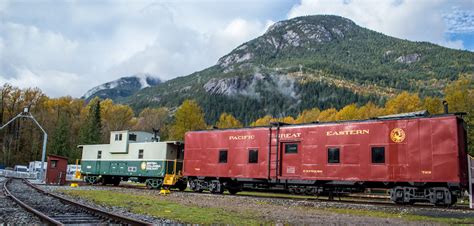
(156, 206)
(165, 209)
(407, 216)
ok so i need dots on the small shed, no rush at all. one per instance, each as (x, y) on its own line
(57, 170)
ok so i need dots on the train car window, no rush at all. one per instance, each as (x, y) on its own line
(132, 137)
(333, 155)
(140, 154)
(291, 148)
(378, 154)
(54, 163)
(223, 156)
(116, 137)
(253, 156)
(120, 136)
(99, 154)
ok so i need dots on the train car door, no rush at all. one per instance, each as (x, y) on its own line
(290, 159)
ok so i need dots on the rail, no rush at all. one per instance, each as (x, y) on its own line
(92, 210)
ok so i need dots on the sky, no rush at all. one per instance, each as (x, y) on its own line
(67, 47)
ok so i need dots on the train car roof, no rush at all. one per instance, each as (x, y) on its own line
(409, 115)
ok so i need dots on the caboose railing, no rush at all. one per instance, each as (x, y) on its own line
(470, 165)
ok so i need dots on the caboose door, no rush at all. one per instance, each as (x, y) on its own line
(290, 159)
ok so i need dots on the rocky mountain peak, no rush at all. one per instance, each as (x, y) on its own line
(303, 33)
(122, 87)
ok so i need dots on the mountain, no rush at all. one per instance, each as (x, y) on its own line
(122, 87)
(313, 61)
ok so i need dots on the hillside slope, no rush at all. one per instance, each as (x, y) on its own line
(312, 61)
(122, 87)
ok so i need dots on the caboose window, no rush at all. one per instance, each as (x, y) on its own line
(140, 153)
(378, 154)
(99, 154)
(253, 156)
(54, 163)
(223, 156)
(132, 137)
(291, 148)
(333, 155)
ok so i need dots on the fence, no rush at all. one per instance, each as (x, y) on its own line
(11, 173)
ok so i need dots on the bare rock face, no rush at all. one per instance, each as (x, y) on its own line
(226, 86)
(283, 36)
(408, 59)
(234, 59)
(248, 87)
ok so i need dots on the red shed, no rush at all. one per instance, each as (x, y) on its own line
(56, 170)
(408, 154)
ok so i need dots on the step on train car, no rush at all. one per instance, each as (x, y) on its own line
(137, 155)
(420, 158)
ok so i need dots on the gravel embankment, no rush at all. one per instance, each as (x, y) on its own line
(115, 210)
(290, 211)
(53, 207)
(13, 214)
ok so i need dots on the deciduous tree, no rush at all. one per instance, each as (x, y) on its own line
(189, 116)
(328, 115)
(403, 103)
(309, 115)
(228, 121)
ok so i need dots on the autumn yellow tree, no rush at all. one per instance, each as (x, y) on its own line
(370, 110)
(115, 117)
(228, 121)
(264, 121)
(189, 116)
(433, 105)
(328, 115)
(153, 118)
(309, 115)
(460, 97)
(349, 112)
(402, 103)
(460, 94)
(287, 119)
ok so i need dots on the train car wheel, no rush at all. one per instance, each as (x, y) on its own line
(233, 191)
(90, 179)
(181, 185)
(116, 181)
(153, 183)
(104, 181)
(195, 186)
(216, 187)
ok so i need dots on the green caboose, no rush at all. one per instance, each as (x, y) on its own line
(137, 155)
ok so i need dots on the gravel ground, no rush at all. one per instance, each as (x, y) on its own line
(55, 207)
(289, 211)
(13, 214)
(115, 210)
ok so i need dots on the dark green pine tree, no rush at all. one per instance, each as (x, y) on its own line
(60, 142)
(91, 130)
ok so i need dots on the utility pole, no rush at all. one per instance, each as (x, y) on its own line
(27, 114)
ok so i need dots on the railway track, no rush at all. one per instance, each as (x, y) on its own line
(54, 209)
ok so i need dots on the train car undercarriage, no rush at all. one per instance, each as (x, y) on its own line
(439, 194)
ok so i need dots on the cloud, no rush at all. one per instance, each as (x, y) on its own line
(102, 41)
(56, 82)
(81, 44)
(460, 21)
(414, 20)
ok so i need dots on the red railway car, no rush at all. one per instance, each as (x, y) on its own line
(420, 158)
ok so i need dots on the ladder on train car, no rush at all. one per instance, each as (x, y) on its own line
(170, 179)
(274, 157)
